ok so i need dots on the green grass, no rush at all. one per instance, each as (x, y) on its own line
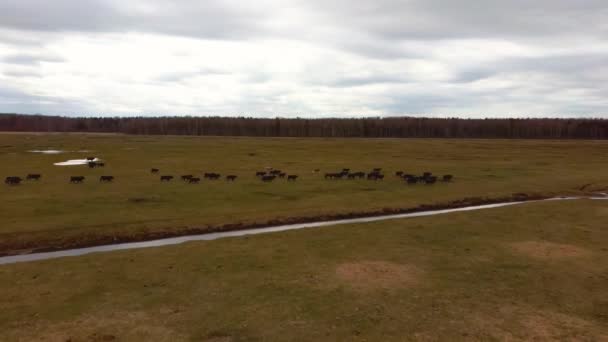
(461, 276)
(52, 212)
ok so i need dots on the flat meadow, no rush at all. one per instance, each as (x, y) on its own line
(52, 213)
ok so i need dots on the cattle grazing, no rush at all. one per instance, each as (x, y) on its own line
(92, 164)
(186, 177)
(90, 158)
(375, 176)
(282, 175)
(231, 178)
(430, 180)
(154, 171)
(212, 175)
(194, 180)
(260, 173)
(268, 178)
(333, 175)
(33, 176)
(106, 179)
(357, 175)
(411, 179)
(12, 180)
(166, 178)
(76, 179)
(447, 178)
(399, 173)
(101, 164)
(292, 177)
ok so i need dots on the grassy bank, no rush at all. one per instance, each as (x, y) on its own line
(536, 271)
(52, 213)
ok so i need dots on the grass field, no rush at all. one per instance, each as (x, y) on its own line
(52, 213)
(537, 271)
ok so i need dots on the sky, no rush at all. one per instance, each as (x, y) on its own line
(305, 58)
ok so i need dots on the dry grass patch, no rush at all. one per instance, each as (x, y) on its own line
(520, 323)
(549, 250)
(370, 275)
(116, 326)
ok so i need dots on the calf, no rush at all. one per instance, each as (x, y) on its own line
(33, 176)
(166, 178)
(447, 178)
(106, 179)
(268, 178)
(292, 177)
(154, 171)
(12, 180)
(76, 179)
(194, 180)
(231, 178)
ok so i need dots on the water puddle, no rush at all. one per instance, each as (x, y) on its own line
(47, 151)
(72, 162)
(219, 235)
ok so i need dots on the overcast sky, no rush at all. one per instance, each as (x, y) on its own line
(468, 58)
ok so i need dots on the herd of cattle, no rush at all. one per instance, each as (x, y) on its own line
(376, 174)
(267, 175)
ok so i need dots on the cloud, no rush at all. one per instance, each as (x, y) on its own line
(31, 59)
(297, 57)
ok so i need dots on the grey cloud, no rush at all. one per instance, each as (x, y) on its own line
(181, 76)
(17, 101)
(17, 73)
(31, 59)
(208, 19)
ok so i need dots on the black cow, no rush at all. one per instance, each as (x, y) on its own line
(76, 179)
(92, 164)
(106, 179)
(430, 180)
(101, 164)
(282, 175)
(333, 175)
(90, 158)
(399, 173)
(260, 173)
(194, 180)
(154, 171)
(166, 178)
(186, 177)
(12, 180)
(292, 177)
(447, 178)
(268, 178)
(375, 176)
(212, 175)
(33, 176)
(411, 179)
(231, 178)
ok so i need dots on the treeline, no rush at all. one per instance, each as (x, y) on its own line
(395, 127)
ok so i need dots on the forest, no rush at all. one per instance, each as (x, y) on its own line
(372, 127)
